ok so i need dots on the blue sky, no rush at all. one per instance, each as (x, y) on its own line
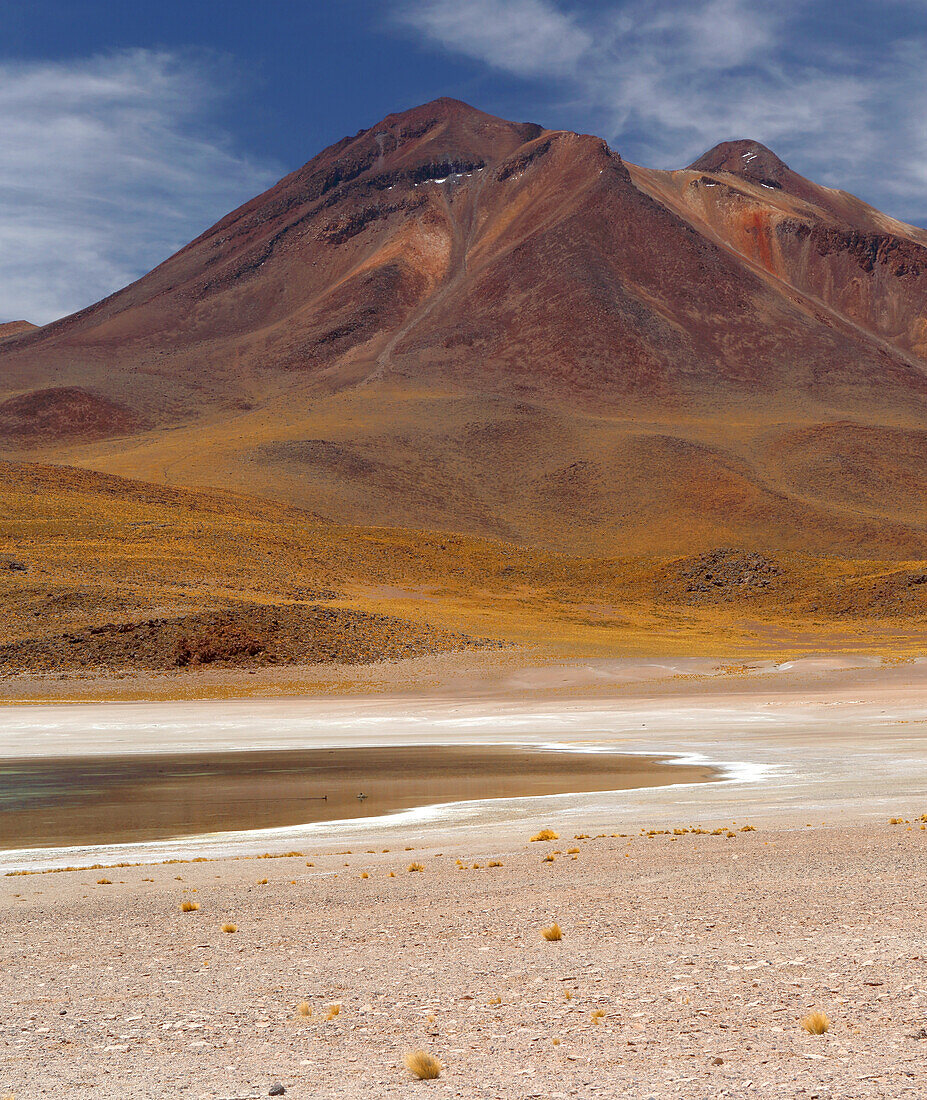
(126, 129)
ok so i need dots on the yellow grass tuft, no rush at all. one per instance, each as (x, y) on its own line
(392, 874)
(416, 867)
(572, 851)
(304, 1009)
(546, 834)
(333, 1011)
(423, 1065)
(497, 1000)
(598, 1015)
(229, 927)
(262, 882)
(364, 874)
(567, 995)
(549, 858)
(104, 882)
(816, 1023)
(494, 863)
(553, 933)
(189, 906)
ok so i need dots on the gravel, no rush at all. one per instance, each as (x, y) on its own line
(702, 951)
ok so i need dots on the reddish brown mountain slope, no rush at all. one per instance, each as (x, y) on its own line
(454, 321)
(864, 266)
(15, 328)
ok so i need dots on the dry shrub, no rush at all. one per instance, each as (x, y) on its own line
(304, 1009)
(423, 1065)
(494, 863)
(416, 867)
(553, 933)
(567, 995)
(229, 927)
(104, 882)
(546, 834)
(392, 874)
(262, 882)
(572, 851)
(549, 858)
(598, 1015)
(816, 1023)
(333, 1011)
(189, 906)
(364, 874)
(497, 1000)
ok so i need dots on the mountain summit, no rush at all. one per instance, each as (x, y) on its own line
(744, 158)
(449, 320)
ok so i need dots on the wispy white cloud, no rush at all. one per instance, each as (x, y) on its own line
(663, 81)
(107, 165)
(519, 35)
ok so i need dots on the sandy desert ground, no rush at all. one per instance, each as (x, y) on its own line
(702, 950)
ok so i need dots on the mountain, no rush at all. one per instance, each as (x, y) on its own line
(15, 328)
(454, 322)
(863, 266)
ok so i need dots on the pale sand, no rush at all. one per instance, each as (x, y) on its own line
(697, 947)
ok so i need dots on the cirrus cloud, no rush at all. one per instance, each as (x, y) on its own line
(107, 165)
(664, 81)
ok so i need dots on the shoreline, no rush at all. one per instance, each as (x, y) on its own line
(54, 804)
(689, 955)
(840, 744)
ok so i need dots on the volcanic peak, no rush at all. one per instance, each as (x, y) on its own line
(743, 157)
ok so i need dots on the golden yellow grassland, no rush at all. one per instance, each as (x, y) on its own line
(101, 550)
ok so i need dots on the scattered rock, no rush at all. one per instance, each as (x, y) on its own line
(276, 1089)
(247, 634)
(722, 575)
